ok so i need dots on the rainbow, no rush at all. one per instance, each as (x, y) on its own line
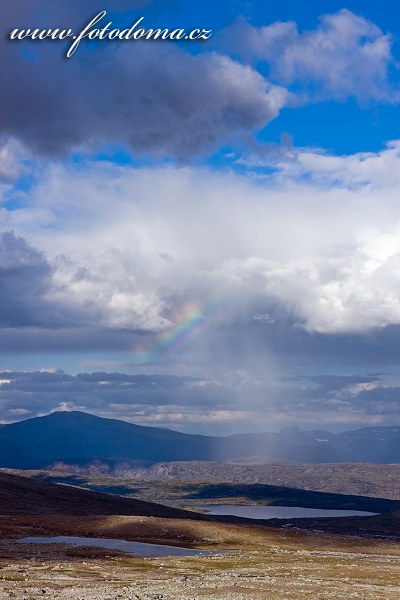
(190, 324)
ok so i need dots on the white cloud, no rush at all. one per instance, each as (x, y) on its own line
(347, 55)
(364, 169)
(319, 239)
(11, 157)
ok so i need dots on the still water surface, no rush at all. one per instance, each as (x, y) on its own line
(134, 548)
(280, 512)
(152, 550)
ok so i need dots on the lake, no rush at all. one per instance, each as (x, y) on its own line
(280, 512)
(141, 549)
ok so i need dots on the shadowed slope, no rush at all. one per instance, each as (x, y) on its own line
(25, 496)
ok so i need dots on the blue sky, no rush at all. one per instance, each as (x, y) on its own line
(203, 236)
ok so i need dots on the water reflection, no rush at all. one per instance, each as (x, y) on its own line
(280, 512)
(134, 548)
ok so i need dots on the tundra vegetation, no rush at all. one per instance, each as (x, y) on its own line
(351, 558)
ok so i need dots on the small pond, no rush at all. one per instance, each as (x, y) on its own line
(134, 548)
(280, 512)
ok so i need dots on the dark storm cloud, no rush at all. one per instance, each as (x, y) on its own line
(70, 13)
(151, 398)
(26, 287)
(59, 381)
(35, 305)
(31, 323)
(74, 338)
(44, 391)
(336, 382)
(375, 348)
(25, 278)
(378, 400)
(155, 97)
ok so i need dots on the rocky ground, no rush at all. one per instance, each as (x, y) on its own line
(268, 564)
(274, 574)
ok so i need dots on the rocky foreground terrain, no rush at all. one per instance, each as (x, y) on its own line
(352, 558)
(268, 564)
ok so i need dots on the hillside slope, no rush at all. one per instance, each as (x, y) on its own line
(26, 496)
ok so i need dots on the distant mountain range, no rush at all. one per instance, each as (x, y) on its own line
(78, 438)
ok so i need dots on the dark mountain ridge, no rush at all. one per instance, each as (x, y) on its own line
(80, 438)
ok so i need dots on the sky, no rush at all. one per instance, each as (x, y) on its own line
(204, 234)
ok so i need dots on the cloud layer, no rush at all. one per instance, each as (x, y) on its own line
(317, 242)
(199, 404)
(175, 103)
(25, 276)
(158, 99)
(245, 286)
(346, 56)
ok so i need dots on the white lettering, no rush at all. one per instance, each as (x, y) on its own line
(114, 33)
(139, 33)
(156, 33)
(205, 34)
(40, 34)
(63, 34)
(177, 34)
(106, 32)
(85, 32)
(24, 33)
(129, 32)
